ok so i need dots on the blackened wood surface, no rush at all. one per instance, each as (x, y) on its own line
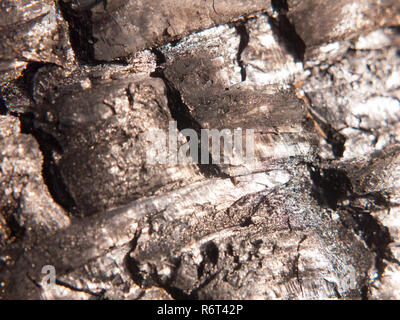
(315, 218)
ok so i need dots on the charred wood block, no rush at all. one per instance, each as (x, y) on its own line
(26, 207)
(123, 27)
(318, 22)
(102, 132)
(31, 31)
(211, 95)
(114, 29)
(262, 247)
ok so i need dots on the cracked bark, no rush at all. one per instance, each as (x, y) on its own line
(314, 217)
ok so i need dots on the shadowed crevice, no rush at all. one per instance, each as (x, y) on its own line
(180, 113)
(243, 33)
(3, 108)
(80, 31)
(285, 31)
(50, 171)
